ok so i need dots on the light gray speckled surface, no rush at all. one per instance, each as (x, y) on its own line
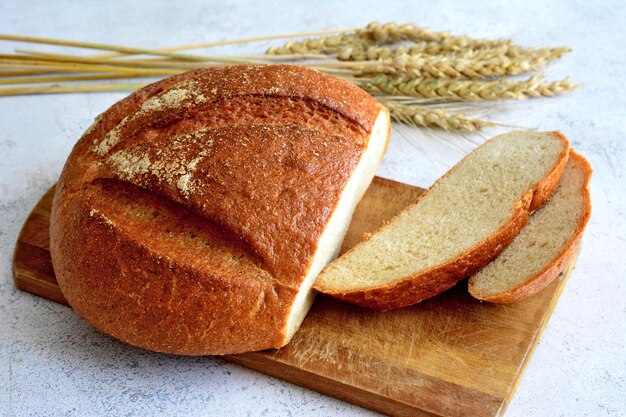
(52, 363)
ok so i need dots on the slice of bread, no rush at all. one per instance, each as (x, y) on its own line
(466, 219)
(544, 246)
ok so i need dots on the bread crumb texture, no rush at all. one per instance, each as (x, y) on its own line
(466, 206)
(548, 233)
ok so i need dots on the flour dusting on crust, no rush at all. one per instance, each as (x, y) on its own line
(181, 95)
(169, 164)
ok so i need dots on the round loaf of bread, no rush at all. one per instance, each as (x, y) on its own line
(194, 215)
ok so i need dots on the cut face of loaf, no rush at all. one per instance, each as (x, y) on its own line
(463, 222)
(544, 246)
(194, 215)
(330, 241)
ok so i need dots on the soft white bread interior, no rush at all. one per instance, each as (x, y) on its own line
(332, 237)
(464, 221)
(544, 246)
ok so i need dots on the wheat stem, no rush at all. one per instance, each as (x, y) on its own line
(99, 61)
(174, 62)
(143, 63)
(11, 70)
(114, 48)
(44, 62)
(233, 42)
(63, 78)
(56, 89)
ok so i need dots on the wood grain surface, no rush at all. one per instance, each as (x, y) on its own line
(450, 355)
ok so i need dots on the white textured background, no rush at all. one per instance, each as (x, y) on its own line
(52, 363)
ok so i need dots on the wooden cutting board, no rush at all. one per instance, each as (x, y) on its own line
(448, 356)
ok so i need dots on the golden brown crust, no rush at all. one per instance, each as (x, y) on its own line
(410, 290)
(543, 190)
(248, 160)
(116, 276)
(551, 271)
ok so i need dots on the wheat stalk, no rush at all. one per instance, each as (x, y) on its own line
(422, 116)
(115, 48)
(421, 75)
(469, 90)
(122, 63)
(63, 78)
(174, 62)
(56, 89)
(77, 66)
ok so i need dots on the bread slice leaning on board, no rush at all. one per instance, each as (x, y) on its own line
(544, 246)
(466, 219)
(194, 215)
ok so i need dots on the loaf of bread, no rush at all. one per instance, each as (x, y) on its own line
(458, 226)
(545, 245)
(194, 215)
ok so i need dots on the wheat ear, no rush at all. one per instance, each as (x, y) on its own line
(422, 116)
(471, 90)
(322, 45)
(377, 34)
(392, 33)
(443, 67)
(363, 52)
